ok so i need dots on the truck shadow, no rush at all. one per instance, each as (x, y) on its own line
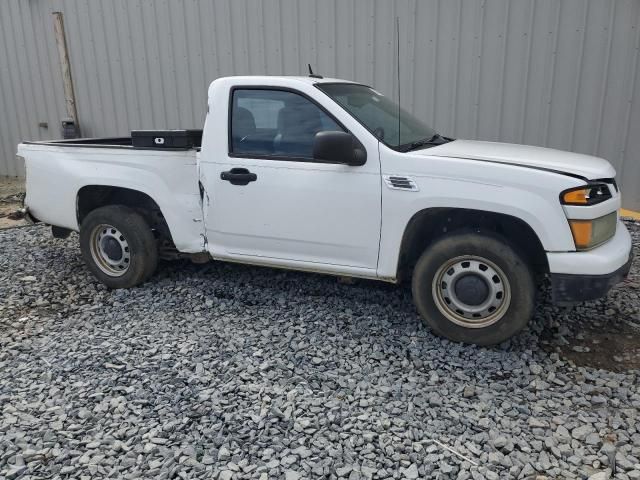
(598, 334)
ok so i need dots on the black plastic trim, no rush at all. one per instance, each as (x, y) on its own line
(185, 138)
(569, 289)
(60, 232)
(238, 176)
(256, 156)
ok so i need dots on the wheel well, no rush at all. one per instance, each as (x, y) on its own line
(430, 224)
(91, 197)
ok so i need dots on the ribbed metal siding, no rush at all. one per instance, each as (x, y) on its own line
(546, 72)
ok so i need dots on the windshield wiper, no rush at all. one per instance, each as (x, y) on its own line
(434, 140)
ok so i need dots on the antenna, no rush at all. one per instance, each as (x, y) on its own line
(398, 65)
(311, 74)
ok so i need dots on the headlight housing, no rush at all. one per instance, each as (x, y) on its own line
(589, 234)
(590, 194)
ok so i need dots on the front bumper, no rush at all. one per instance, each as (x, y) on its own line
(569, 289)
(587, 275)
(602, 260)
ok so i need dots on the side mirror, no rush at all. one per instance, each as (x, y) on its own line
(340, 147)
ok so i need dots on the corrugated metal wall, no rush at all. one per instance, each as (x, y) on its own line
(560, 73)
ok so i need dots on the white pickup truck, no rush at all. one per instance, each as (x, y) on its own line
(330, 176)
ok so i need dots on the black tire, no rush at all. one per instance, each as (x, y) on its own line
(446, 259)
(137, 239)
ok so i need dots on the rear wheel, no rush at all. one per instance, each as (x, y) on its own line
(473, 288)
(118, 246)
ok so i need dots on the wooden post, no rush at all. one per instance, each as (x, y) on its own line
(65, 65)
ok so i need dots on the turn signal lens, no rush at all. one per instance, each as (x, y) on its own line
(591, 194)
(591, 233)
(576, 196)
(581, 231)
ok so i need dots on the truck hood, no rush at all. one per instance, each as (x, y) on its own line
(575, 164)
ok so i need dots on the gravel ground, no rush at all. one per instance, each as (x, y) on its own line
(226, 371)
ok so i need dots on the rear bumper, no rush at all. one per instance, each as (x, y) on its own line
(569, 289)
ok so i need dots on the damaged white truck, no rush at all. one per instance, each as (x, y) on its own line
(330, 176)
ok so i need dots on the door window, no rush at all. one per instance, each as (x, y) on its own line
(276, 123)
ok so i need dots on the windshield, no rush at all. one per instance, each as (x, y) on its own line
(380, 115)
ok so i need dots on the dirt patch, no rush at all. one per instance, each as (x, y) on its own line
(11, 197)
(615, 347)
(603, 334)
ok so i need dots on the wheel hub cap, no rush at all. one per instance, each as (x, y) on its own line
(471, 291)
(111, 247)
(110, 250)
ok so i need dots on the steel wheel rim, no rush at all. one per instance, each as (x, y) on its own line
(110, 250)
(471, 315)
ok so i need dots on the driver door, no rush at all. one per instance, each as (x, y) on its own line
(272, 203)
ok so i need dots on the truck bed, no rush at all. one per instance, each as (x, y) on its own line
(59, 171)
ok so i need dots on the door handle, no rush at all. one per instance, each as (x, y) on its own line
(238, 176)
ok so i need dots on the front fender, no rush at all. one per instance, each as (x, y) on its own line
(541, 211)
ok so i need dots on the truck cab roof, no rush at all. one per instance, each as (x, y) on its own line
(293, 78)
(271, 81)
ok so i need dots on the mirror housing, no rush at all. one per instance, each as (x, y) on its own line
(339, 147)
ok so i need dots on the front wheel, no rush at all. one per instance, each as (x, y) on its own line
(473, 288)
(118, 246)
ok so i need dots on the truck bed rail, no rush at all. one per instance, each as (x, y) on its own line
(139, 140)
